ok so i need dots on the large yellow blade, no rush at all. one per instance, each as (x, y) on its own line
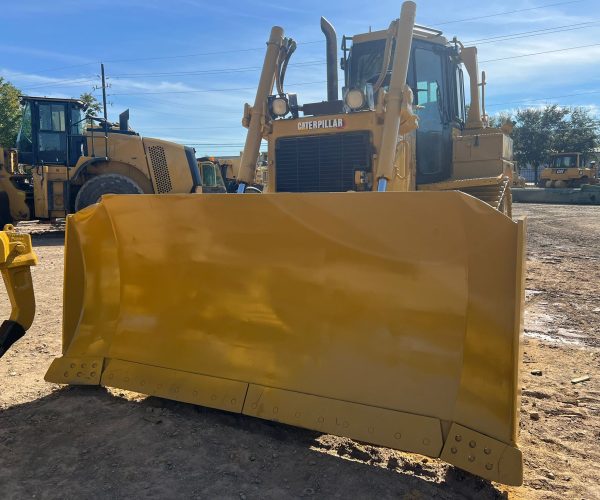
(392, 318)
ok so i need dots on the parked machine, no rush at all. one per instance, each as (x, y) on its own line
(567, 170)
(341, 300)
(448, 151)
(61, 166)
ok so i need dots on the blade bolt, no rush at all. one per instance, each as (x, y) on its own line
(471, 458)
(472, 444)
(489, 466)
(458, 438)
(487, 451)
(453, 449)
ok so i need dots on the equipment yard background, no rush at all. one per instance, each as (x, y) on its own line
(68, 442)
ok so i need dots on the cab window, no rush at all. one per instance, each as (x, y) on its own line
(77, 121)
(460, 95)
(52, 117)
(429, 76)
(24, 139)
(209, 177)
(52, 136)
(564, 161)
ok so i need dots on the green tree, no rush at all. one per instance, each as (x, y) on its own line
(536, 132)
(10, 113)
(93, 107)
(580, 134)
(539, 132)
(500, 119)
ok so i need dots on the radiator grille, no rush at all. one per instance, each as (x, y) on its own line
(321, 162)
(160, 168)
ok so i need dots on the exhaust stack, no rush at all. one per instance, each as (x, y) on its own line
(332, 71)
(124, 121)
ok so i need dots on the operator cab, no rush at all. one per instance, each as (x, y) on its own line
(436, 79)
(52, 131)
(565, 160)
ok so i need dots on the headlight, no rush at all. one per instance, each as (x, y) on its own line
(355, 99)
(279, 106)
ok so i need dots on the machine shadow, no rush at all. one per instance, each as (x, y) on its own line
(88, 441)
(49, 239)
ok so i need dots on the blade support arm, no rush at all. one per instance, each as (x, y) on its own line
(16, 258)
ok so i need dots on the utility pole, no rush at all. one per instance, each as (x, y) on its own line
(105, 112)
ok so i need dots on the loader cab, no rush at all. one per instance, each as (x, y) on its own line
(211, 179)
(436, 79)
(565, 160)
(51, 131)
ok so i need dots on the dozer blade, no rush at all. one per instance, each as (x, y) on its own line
(16, 259)
(390, 318)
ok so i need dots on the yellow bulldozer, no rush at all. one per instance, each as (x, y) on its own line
(568, 170)
(374, 291)
(65, 161)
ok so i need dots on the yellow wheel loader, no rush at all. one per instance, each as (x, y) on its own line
(568, 170)
(61, 165)
(374, 291)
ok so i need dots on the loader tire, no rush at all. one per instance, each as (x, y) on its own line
(93, 189)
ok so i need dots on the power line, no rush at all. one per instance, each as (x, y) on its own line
(51, 70)
(229, 127)
(202, 53)
(311, 83)
(81, 81)
(542, 98)
(540, 53)
(60, 83)
(319, 62)
(210, 71)
(507, 12)
(199, 54)
(529, 34)
(208, 90)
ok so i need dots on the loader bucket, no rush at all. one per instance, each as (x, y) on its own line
(391, 318)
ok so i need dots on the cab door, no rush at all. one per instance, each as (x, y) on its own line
(428, 80)
(52, 133)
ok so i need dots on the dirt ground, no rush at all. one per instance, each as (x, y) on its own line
(64, 442)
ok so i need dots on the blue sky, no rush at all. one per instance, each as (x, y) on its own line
(169, 61)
